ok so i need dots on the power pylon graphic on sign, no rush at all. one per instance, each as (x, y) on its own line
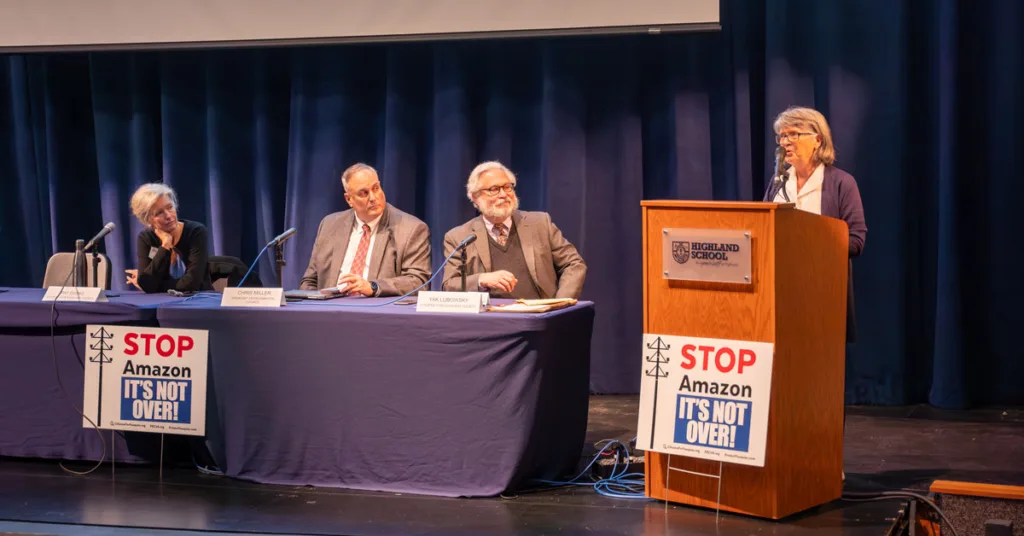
(657, 373)
(101, 346)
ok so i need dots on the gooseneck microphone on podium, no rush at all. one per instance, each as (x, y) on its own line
(780, 178)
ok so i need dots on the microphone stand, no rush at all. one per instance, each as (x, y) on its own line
(94, 262)
(279, 260)
(779, 180)
(462, 268)
(782, 187)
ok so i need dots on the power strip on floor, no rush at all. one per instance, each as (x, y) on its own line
(604, 466)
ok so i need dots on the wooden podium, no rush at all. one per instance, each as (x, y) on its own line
(797, 300)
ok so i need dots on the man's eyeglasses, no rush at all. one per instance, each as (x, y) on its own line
(493, 191)
(786, 136)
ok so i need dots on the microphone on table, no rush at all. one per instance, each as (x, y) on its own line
(282, 237)
(462, 246)
(80, 269)
(277, 241)
(466, 241)
(107, 229)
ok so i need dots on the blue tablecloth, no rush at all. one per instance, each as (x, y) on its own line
(390, 399)
(37, 419)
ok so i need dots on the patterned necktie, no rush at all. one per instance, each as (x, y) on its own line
(500, 236)
(359, 262)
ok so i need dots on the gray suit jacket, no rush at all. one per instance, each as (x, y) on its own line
(399, 262)
(555, 266)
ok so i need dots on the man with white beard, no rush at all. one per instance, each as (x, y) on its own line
(517, 254)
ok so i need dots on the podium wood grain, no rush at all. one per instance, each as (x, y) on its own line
(796, 300)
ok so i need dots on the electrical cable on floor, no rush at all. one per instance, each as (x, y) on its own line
(855, 496)
(56, 371)
(206, 470)
(620, 484)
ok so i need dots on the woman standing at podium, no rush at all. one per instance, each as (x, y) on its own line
(815, 185)
(172, 253)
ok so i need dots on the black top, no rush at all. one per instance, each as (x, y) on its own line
(155, 261)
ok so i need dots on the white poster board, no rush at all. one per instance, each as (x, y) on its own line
(705, 398)
(146, 379)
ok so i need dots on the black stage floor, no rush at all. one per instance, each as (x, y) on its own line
(886, 448)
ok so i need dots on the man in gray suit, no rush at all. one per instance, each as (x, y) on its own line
(517, 254)
(372, 249)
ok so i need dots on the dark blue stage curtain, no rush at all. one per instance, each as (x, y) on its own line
(924, 98)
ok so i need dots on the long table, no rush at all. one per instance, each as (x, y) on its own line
(328, 394)
(37, 418)
(388, 399)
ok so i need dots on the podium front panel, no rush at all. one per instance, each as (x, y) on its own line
(717, 310)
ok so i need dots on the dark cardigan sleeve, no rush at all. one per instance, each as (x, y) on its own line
(153, 271)
(851, 210)
(197, 258)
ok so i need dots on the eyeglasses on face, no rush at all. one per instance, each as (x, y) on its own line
(786, 136)
(493, 191)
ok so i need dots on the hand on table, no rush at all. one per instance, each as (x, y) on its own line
(355, 285)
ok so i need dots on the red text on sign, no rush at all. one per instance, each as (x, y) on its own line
(163, 345)
(723, 359)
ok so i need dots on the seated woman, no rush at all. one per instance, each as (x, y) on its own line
(172, 253)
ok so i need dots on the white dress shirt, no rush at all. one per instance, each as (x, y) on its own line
(353, 246)
(809, 197)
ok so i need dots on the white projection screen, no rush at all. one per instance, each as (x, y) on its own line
(48, 25)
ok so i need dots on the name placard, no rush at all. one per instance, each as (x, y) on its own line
(252, 297)
(451, 302)
(75, 294)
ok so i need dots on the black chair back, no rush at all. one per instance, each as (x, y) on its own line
(226, 271)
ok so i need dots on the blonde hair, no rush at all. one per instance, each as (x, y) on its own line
(811, 119)
(474, 177)
(146, 196)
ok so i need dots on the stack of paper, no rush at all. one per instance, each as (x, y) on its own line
(533, 306)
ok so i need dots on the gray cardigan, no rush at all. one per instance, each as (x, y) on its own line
(840, 199)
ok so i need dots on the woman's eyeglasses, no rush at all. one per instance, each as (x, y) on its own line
(786, 136)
